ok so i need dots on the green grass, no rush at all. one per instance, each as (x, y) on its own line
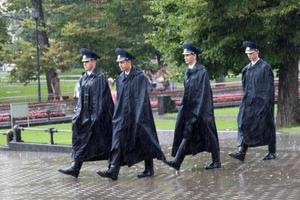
(295, 129)
(222, 123)
(164, 124)
(10, 93)
(18, 92)
(43, 136)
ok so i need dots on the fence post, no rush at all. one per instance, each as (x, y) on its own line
(51, 131)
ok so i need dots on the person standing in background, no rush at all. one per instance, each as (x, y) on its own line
(55, 86)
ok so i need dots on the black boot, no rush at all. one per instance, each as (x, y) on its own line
(73, 170)
(149, 171)
(240, 155)
(270, 156)
(112, 172)
(114, 166)
(176, 163)
(216, 163)
(271, 149)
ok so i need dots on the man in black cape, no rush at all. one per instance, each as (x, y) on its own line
(134, 134)
(195, 129)
(256, 126)
(92, 122)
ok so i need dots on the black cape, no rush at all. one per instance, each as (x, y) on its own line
(195, 120)
(92, 122)
(133, 124)
(256, 125)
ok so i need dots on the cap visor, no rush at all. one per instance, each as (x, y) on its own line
(120, 59)
(187, 52)
(249, 51)
(84, 60)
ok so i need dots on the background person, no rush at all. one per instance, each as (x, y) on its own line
(55, 85)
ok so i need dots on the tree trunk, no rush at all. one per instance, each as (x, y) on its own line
(220, 80)
(287, 94)
(160, 62)
(49, 75)
(43, 40)
(42, 34)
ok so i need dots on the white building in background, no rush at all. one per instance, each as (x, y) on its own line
(6, 67)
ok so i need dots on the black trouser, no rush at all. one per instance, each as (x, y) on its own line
(215, 152)
(272, 144)
(115, 158)
(271, 147)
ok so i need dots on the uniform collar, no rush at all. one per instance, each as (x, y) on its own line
(253, 63)
(94, 72)
(191, 66)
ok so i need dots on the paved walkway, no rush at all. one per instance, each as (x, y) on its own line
(32, 175)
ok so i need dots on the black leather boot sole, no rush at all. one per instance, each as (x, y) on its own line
(213, 165)
(108, 174)
(69, 171)
(270, 156)
(172, 164)
(238, 155)
(145, 174)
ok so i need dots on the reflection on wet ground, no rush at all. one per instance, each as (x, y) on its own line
(29, 175)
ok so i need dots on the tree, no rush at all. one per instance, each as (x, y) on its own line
(219, 27)
(23, 52)
(99, 25)
(125, 27)
(4, 36)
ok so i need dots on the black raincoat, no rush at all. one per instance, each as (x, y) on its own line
(256, 125)
(92, 122)
(195, 120)
(133, 124)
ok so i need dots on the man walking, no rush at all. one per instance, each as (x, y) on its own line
(195, 129)
(256, 126)
(134, 134)
(91, 124)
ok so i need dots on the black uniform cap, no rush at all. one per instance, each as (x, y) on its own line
(88, 55)
(250, 46)
(123, 55)
(190, 49)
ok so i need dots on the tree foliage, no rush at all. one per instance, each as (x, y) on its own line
(156, 29)
(99, 25)
(219, 27)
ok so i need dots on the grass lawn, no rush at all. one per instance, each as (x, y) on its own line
(10, 93)
(18, 92)
(225, 120)
(43, 136)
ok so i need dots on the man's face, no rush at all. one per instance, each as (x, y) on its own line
(190, 59)
(89, 65)
(253, 56)
(125, 65)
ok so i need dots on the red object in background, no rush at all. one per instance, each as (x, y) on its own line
(33, 115)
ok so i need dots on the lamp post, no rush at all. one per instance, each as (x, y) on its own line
(35, 15)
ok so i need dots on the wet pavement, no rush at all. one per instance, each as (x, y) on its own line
(33, 175)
